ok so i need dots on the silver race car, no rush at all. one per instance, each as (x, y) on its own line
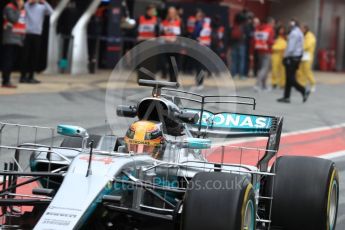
(157, 176)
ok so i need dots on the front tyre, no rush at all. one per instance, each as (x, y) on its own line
(221, 201)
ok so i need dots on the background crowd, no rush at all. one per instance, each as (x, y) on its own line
(22, 30)
(270, 47)
(250, 47)
(206, 31)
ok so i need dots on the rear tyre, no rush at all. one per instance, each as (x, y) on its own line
(305, 194)
(221, 201)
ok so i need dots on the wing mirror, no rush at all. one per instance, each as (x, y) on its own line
(126, 111)
(198, 143)
(74, 131)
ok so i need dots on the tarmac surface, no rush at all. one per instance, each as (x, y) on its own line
(79, 100)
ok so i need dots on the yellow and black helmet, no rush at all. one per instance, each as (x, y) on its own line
(145, 137)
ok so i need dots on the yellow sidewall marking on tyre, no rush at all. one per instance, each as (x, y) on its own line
(330, 188)
(245, 199)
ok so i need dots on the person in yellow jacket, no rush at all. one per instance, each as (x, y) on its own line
(305, 74)
(278, 69)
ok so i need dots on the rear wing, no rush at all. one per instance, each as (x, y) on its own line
(232, 125)
(235, 125)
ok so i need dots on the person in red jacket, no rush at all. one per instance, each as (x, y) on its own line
(147, 29)
(171, 28)
(14, 29)
(218, 38)
(191, 24)
(263, 42)
(148, 24)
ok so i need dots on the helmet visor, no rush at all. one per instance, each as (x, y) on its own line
(142, 149)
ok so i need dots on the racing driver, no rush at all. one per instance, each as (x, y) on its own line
(145, 137)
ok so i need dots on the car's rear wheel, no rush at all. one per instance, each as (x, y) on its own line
(221, 201)
(305, 194)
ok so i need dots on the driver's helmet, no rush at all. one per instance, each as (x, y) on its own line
(145, 137)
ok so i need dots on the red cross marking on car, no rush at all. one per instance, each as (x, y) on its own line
(105, 160)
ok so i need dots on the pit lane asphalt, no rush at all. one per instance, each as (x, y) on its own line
(86, 108)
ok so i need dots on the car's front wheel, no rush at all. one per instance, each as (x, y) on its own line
(221, 201)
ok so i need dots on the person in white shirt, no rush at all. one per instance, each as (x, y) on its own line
(292, 58)
(36, 10)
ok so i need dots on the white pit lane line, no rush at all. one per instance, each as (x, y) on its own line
(333, 155)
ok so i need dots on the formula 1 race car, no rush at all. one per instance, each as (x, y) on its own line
(158, 177)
